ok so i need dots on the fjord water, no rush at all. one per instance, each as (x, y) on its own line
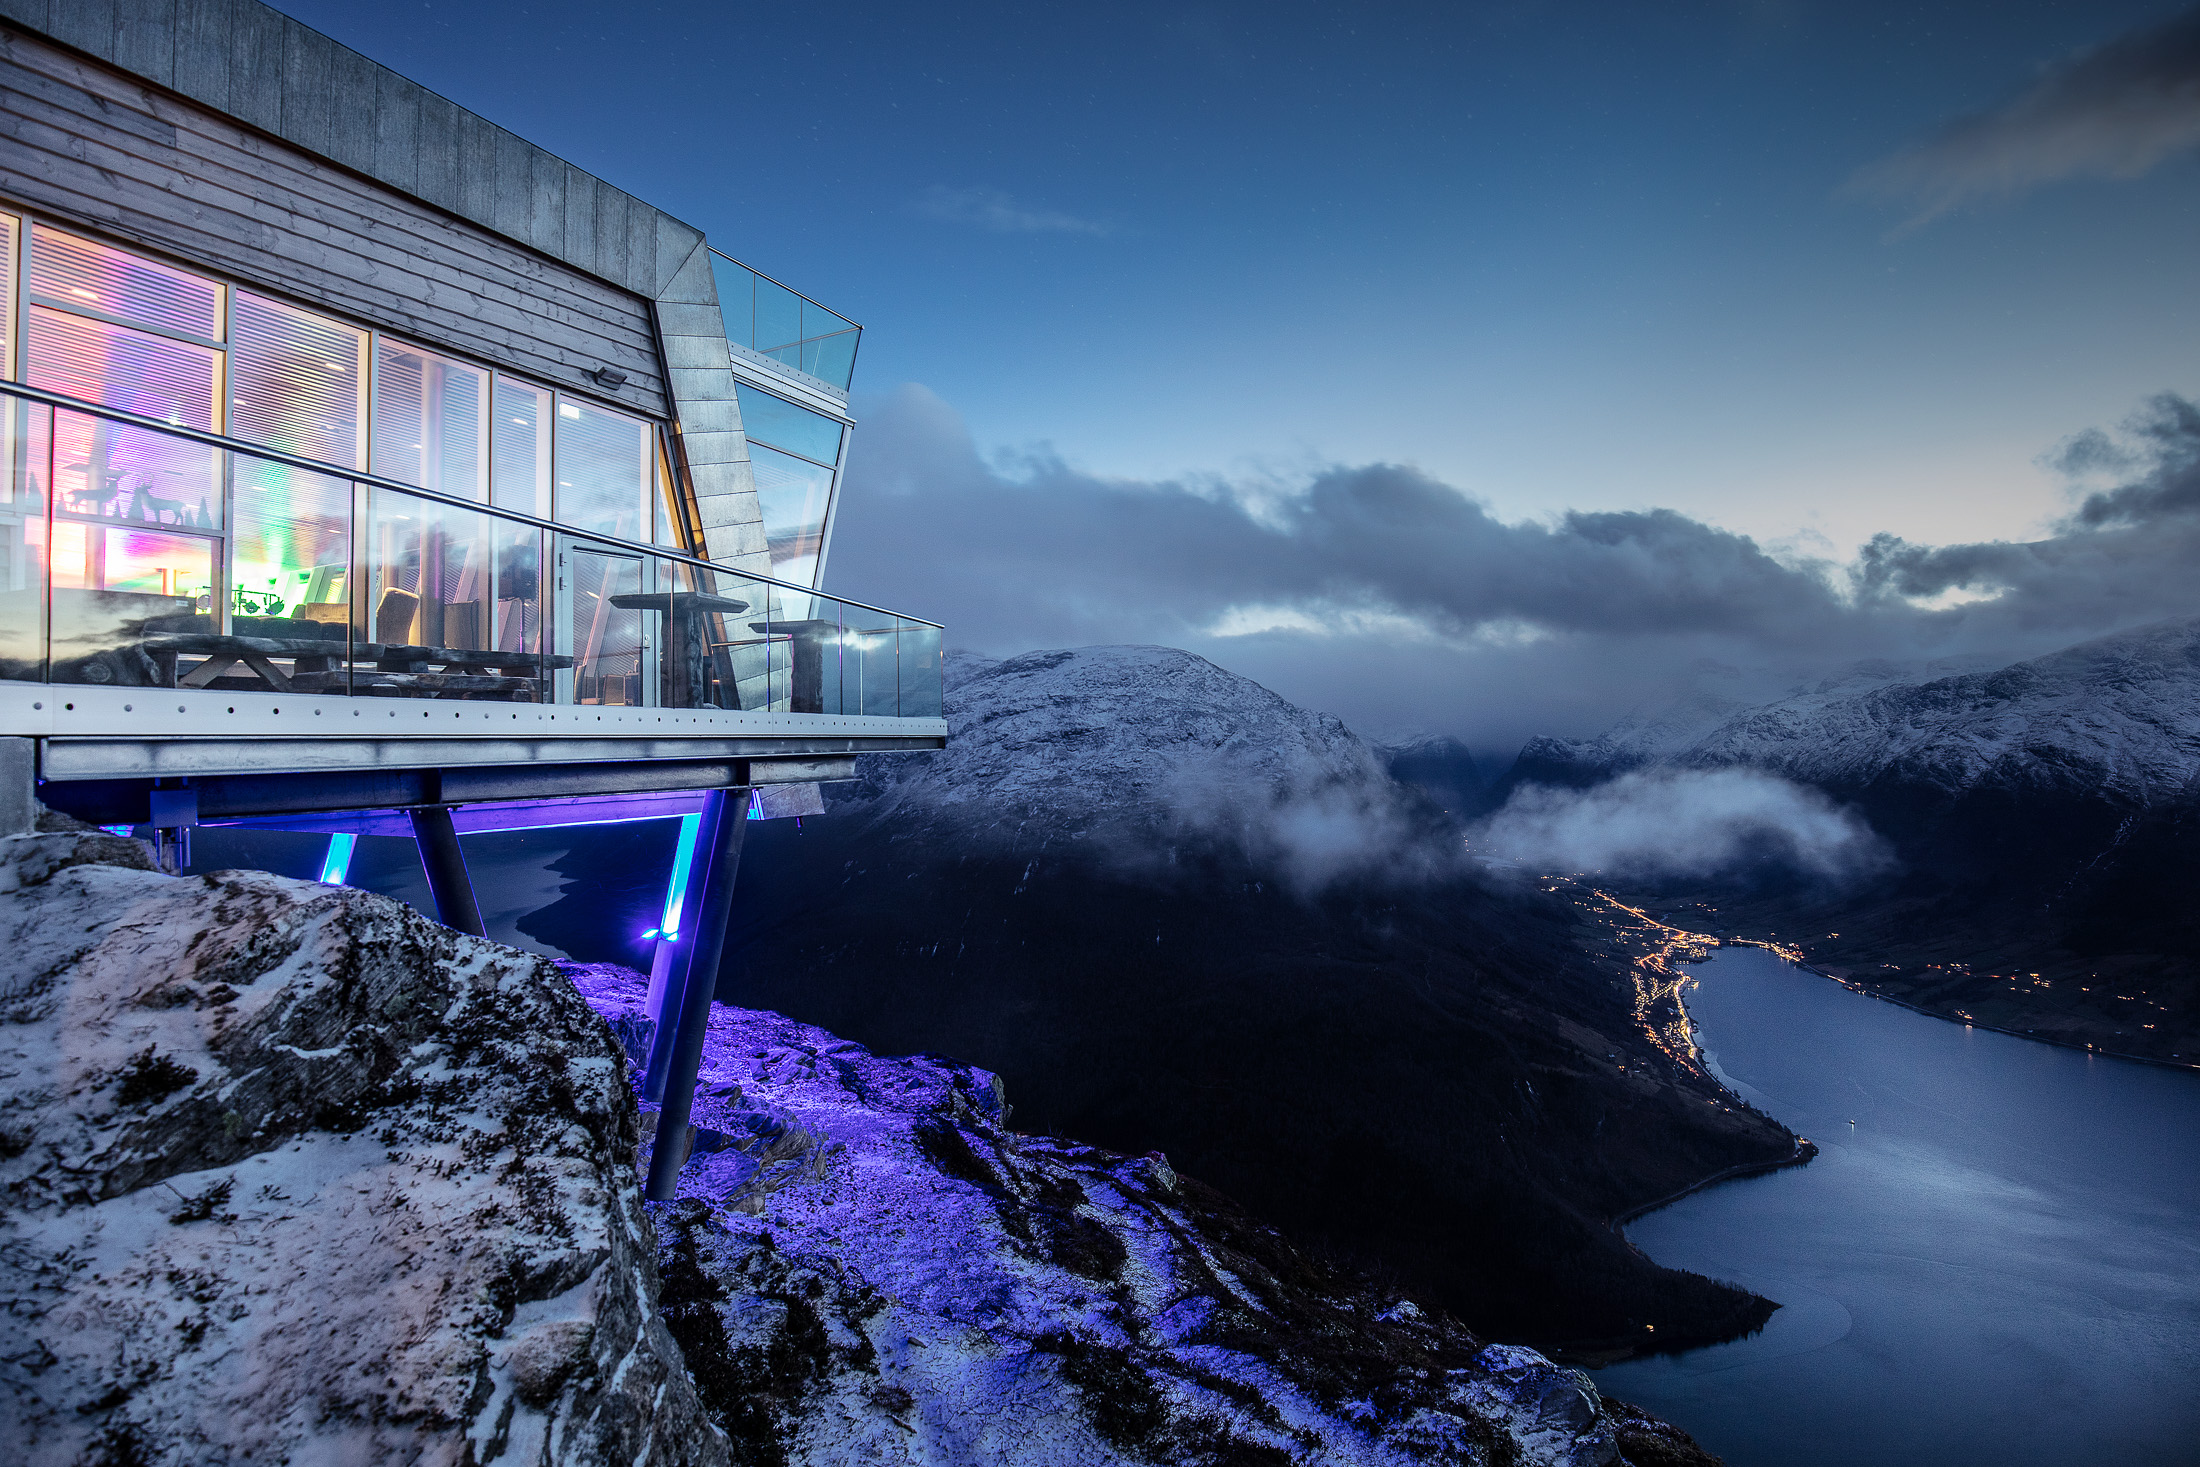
(1997, 1263)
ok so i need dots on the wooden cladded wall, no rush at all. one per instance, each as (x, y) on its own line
(99, 147)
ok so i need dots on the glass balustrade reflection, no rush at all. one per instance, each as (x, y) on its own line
(436, 609)
(26, 468)
(304, 581)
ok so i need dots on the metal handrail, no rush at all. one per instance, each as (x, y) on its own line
(334, 471)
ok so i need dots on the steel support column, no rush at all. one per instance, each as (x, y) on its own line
(445, 865)
(679, 1056)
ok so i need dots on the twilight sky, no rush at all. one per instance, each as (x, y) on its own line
(1291, 333)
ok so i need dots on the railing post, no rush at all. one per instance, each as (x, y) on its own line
(725, 822)
(445, 865)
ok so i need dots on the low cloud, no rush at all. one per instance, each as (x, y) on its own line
(1682, 824)
(1399, 602)
(2114, 111)
(991, 209)
(1312, 839)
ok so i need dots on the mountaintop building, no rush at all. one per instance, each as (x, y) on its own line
(364, 466)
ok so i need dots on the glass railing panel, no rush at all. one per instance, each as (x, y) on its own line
(920, 669)
(831, 358)
(433, 605)
(116, 473)
(286, 619)
(870, 651)
(26, 468)
(805, 632)
(778, 317)
(117, 593)
(517, 622)
(765, 317)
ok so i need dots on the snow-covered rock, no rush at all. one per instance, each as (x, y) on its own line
(289, 1173)
(867, 1265)
(2116, 718)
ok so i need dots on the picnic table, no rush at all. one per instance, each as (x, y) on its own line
(329, 665)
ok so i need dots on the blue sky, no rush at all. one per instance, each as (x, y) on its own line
(1557, 257)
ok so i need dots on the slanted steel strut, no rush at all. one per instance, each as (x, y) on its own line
(678, 1056)
(445, 865)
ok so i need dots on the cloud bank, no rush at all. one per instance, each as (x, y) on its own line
(2114, 111)
(1397, 602)
(1684, 824)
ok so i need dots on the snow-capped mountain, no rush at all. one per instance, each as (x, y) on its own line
(2115, 719)
(1052, 743)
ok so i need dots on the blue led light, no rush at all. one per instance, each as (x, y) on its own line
(338, 861)
(117, 829)
(683, 860)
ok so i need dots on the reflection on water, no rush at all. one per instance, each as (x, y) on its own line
(1995, 1258)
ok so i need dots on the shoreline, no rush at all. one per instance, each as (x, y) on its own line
(2190, 1066)
(1805, 1150)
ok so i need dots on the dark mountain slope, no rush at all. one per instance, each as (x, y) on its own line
(1178, 913)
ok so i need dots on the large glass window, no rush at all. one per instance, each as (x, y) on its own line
(290, 553)
(604, 462)
(431, 420)
(794, 452)
(136, 371)
(297, 381)
(519, 447)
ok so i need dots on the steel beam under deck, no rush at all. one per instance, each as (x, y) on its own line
(445, 866)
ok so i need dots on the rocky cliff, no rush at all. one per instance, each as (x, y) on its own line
(291, 1174)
